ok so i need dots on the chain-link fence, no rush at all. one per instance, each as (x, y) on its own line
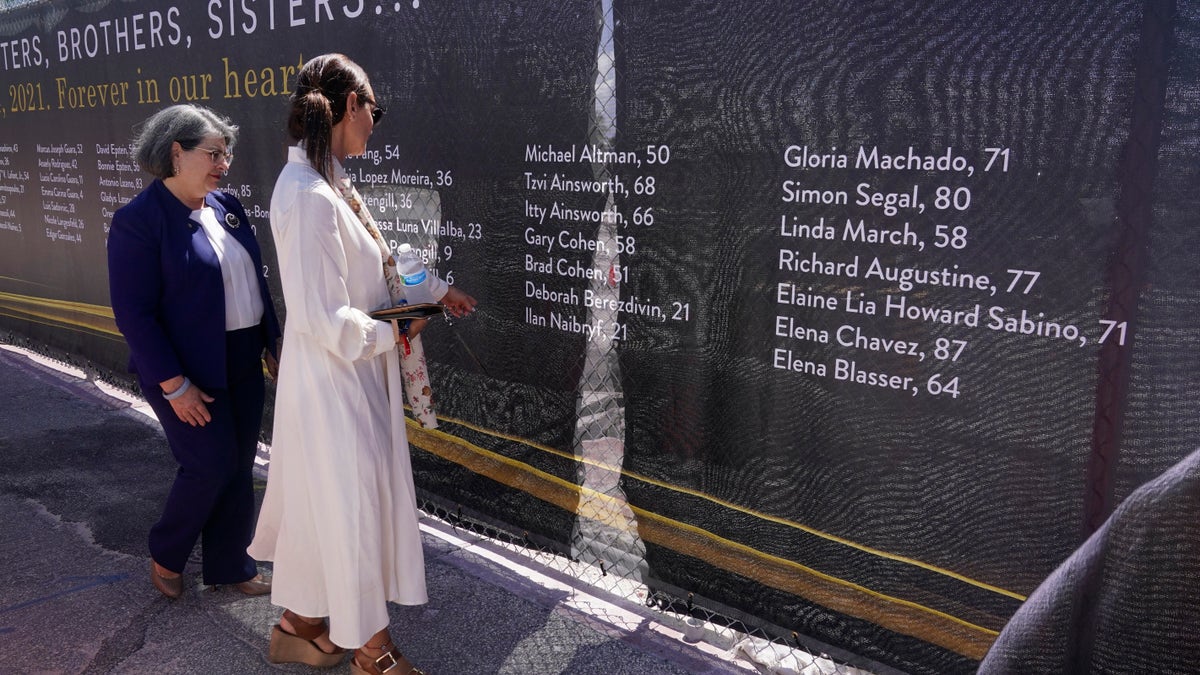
(769, 648)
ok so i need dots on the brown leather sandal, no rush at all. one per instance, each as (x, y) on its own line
(301, 646)
(172, 587)
(391, 661)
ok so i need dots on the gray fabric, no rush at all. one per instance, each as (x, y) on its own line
(1127, 601)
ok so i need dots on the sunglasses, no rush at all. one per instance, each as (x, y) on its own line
(376, 109)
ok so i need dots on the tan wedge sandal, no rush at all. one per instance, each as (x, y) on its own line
(301, 646)
(391, 661)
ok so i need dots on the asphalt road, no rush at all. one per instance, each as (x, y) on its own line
(82, 477)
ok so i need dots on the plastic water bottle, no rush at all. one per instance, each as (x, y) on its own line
(414, 274)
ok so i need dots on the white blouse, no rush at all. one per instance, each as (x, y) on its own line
(243, 301)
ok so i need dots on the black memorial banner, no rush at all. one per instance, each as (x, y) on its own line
(896, 227)
(467, 89)
(849, 319)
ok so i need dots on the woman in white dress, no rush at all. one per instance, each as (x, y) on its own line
(339, 518)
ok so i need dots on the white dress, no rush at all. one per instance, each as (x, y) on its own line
(339, 518)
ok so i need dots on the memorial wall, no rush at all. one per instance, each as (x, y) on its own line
(848, 319)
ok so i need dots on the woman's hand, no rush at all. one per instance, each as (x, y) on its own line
(416, 326)
(458, 302)
(189, 406)
(271, 359)
(272, 365)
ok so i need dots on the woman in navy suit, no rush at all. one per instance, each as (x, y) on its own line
(189, 295)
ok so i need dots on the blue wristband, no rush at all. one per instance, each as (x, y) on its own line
(178, 392)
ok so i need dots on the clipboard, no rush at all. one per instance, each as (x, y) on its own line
(423, 310)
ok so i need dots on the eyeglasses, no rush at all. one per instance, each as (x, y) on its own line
(216, 154)
(376, 110)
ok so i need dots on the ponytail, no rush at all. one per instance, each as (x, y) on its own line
(319, 103)
(312, 123)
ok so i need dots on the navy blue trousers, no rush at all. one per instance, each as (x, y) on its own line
(212, 498)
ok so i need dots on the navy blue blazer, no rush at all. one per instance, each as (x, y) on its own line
(167, 293)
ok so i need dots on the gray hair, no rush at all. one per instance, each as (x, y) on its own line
(185, 124)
